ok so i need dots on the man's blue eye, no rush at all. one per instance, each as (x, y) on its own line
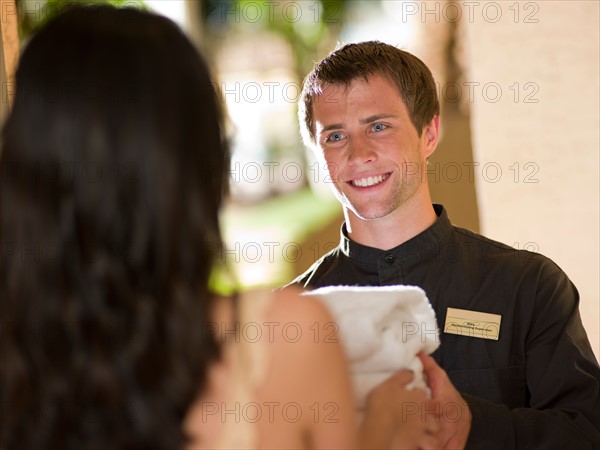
(335, 137)
(379, 127)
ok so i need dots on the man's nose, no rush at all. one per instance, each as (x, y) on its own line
(360, 152)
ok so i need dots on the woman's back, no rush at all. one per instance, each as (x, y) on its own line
(283, 381)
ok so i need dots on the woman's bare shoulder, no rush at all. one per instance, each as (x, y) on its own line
(222, 310)
(308, 368)
(290, 304)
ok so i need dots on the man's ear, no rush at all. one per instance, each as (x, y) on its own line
(430, 136)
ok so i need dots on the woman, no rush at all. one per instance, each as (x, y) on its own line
(112, 166)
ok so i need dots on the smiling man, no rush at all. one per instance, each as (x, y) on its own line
(517, 370)
(376, 158)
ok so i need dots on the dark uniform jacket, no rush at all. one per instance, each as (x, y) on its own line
(538, 385)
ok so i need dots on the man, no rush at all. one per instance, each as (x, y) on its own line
(518, 370)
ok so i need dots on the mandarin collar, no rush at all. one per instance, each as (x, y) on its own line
(420, 246)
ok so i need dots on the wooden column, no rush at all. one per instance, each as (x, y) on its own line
(9, 54)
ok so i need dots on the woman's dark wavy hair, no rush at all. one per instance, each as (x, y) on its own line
(112, 173)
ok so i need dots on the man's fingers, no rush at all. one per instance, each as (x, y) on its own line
(402, 377)
(433, 372)
(432, 424)
(428, 362)
(429, 443)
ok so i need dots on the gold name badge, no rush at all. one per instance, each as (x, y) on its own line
(472, 323)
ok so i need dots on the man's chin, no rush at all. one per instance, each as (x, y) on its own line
(369, 213)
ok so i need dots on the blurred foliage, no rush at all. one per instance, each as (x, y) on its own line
(310, 27)
(33, 14)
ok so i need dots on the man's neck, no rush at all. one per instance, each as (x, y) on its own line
(392, 230)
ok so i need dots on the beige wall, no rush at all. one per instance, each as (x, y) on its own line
(546, 139)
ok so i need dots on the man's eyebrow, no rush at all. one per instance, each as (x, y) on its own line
(376, 118)
(337, 126)
(333, 126)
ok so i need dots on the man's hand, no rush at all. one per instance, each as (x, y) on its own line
(453, 412)
(395, 419)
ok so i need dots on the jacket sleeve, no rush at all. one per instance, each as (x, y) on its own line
(563, 381)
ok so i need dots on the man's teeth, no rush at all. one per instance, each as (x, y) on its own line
(370, 181)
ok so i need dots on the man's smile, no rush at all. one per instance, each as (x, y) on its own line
(370, 180)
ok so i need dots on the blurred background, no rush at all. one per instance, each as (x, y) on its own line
(519, 86)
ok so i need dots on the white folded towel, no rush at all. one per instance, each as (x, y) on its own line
(382, 328)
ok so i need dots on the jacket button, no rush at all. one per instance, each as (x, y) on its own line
(389, 258)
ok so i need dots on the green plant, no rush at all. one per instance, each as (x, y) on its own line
(33, 14)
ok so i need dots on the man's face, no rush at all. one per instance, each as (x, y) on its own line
(374, 154)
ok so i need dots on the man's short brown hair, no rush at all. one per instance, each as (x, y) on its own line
(342, 66)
